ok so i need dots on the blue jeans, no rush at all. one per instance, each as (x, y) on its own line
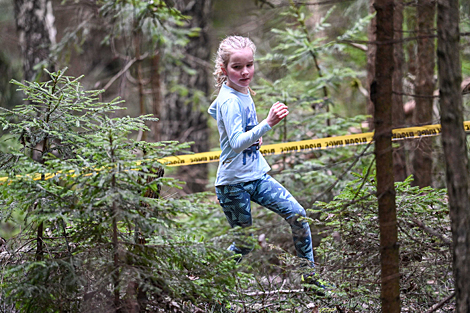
(266, 191)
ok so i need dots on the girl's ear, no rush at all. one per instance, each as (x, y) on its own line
(224, 70)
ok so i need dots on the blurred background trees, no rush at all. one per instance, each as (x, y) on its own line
(316, 56)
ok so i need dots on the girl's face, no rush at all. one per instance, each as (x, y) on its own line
(240, 69)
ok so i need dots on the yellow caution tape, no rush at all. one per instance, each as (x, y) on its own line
(301, 146)
(313, 144)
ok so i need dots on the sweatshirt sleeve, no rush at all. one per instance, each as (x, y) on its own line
(232, 116)
(213, 109)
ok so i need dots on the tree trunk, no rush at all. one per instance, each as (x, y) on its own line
(422, 115)
(454, 143)
(36, 32)
(371, 50)
(381, 96)
(398, 117)
(136, 296)
(183, 119)
(140, 79)
(156, 83)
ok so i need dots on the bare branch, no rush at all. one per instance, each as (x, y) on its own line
(440, 304)
(431, 231)
(273, 292)
(128, 65)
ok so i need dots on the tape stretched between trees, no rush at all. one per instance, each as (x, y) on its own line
(313, 144)
(301, 146)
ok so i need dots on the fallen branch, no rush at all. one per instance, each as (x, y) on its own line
(431, 231)
(440, 304)
(272, 292)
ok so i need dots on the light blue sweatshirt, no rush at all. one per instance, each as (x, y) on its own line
(238, 129)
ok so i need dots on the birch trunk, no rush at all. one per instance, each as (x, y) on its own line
(36, 32)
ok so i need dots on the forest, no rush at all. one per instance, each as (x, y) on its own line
(101, 100)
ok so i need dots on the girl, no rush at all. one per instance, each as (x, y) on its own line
(241, 176)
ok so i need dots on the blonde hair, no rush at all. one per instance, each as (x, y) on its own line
(226, 47)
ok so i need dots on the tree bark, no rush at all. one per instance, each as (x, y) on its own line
(381, 96)
(183, 119)
(371, 50)
(454, 143)
(36, 32)
(422, 114)
(140, 79)
(398, 117)
(156, 83)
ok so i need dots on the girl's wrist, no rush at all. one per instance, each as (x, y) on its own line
(267, 122)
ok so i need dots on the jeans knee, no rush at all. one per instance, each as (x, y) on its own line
(296, 218)
(298, 210)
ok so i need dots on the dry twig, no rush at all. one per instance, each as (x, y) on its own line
(431, 231)
(440, 304)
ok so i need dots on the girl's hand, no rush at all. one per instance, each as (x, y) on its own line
(260, 141)
(277, 113)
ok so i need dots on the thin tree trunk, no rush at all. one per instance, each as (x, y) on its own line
(422, 115)
(136, 296)
(381, 96)
(140, 80)
(398, 116)
(32, 19)
(183, 119)
(114, 242)
(36, 32)
(156, 85)
(313, 55)
(371, 50)
(40, 242)
(455, 146)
